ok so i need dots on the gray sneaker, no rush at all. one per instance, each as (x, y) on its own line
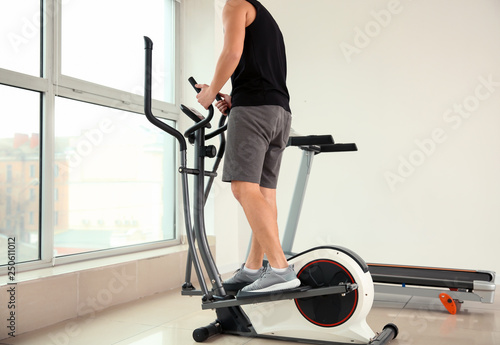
(241, 279)
(272, 281)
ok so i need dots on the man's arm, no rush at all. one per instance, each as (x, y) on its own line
(234, 16)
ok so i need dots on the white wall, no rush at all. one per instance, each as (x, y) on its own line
(416, 84)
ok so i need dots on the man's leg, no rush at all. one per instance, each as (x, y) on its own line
(262, 217)
(259, 205)
(256, 254)
(252, 269)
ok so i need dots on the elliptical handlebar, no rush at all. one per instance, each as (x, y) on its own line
(194, 223)
(162, 125)
(203, 122)
(222, 124)
(193, 82)
(147, 98)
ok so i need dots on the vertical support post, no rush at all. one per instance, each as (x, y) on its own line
(192, 258)
(297, 201)
(199, 215)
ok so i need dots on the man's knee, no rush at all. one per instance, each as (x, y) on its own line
(236, 190)
(241, 189)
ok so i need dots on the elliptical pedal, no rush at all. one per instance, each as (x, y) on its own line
(244, 298)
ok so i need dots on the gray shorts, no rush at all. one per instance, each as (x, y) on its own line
(256, 139)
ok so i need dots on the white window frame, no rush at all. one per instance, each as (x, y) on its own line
(53, 84)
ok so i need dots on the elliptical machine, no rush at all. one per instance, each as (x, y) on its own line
(336, 291)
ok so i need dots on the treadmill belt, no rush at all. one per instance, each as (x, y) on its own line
(427, 276)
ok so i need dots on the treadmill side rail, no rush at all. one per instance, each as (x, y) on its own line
(485, 290)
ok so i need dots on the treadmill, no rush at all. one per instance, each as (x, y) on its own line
(451, 286)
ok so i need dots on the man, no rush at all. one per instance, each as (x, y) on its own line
(254, 57)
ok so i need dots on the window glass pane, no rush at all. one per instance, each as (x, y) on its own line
(110, 51)
(114, 178)
(20, 23)
(19, 172)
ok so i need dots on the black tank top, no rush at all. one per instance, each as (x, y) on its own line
(260, 77)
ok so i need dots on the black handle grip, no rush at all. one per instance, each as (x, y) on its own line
(193, 82)
(203, 122)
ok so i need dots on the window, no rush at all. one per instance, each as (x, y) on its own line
(19, 152)
(101, 177)
(111, 51)
(20, 36)
(116, 179)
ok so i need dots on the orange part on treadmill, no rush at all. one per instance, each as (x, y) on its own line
(448, 303)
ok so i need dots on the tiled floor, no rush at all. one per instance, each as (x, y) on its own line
(169, 318)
